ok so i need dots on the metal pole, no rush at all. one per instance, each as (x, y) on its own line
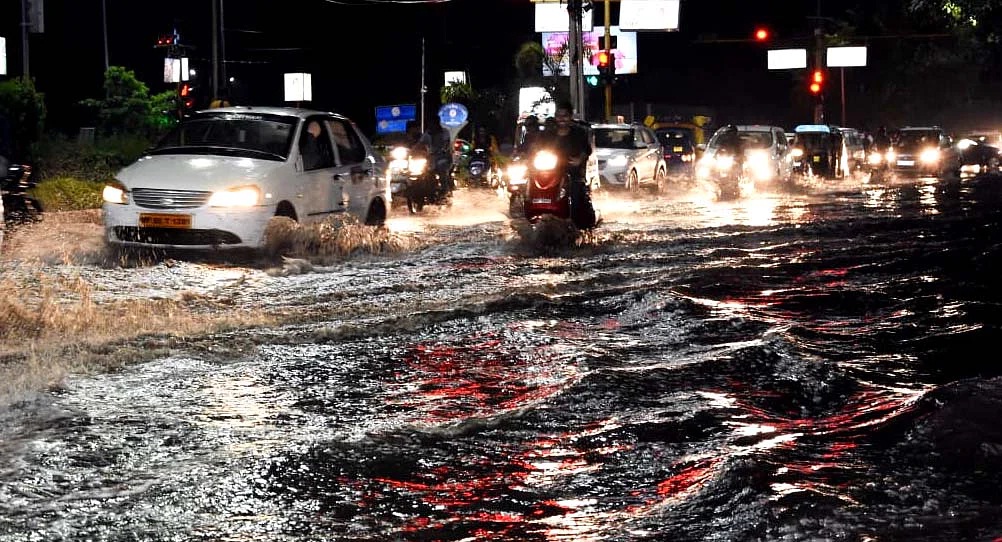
(24, 38)
(222, 48)
(215, 49)
(423, 88)
(608, 47)
(104, 25)
(842, 77)
(574, 52)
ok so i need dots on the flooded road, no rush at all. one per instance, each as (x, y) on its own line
(814, 365)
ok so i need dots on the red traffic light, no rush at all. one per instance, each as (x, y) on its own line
(185, 90)
(817, 79)
(603, 59)
(761, 34)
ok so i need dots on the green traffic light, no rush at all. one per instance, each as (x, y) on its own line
(593, 80)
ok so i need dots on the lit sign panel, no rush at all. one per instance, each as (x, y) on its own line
(844, 57)
(625, 51)
(787, 59)
(648, 15)
(553, 17)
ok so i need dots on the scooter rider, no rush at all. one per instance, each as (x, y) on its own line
(436, 140)
(572, 144)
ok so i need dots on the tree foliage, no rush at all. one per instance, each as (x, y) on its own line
(128, 108)
(22, 117)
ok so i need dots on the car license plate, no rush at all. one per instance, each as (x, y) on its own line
(817, 159)
(164, 220)
(906, 162)
(542, 200)
(677, 149)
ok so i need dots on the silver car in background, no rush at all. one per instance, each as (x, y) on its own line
(629, 157)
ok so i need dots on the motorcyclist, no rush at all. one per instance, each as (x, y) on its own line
(573, 145)
(881, 141)
(439, 146)
(532, 135)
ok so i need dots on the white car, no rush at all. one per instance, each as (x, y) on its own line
(629, 156)
(766, 158)
(217, 179)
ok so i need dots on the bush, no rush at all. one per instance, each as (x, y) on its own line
(58, 157)
(68, 194)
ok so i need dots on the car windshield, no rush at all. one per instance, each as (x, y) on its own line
(614, 138)
(812, 141)
(675, 137)
(747, 139)
(912, 139)
(254, 135)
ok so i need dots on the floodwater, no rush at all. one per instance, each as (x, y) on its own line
(813, 365)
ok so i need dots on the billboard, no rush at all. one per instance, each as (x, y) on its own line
(535, 101)
(394, 118)
(298, 87)
(648, 15)
(553, 17)
(846, 57)
(175, 69)
(787, 59)
(625, 50)
(3, 55)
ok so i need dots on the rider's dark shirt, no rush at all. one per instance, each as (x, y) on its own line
(575, 143)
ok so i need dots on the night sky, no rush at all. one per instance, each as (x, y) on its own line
(369, 53)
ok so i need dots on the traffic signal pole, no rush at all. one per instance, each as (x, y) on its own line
(608, 47)
(574, 12)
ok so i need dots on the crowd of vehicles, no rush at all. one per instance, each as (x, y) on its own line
(218, 178)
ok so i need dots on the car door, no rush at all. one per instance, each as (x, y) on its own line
(643, 158)
(317, 196)
(656, 152)
(355, 168)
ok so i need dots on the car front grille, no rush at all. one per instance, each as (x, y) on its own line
(178, 237)
(155, 198)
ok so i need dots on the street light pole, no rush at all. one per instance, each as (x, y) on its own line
(24, 38)
(215, 49)
(608, 48)
(104, 26)
(574, 11)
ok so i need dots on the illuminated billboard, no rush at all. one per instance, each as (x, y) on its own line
(648, 15)
(787, 59)
(553, 17)
(625, 50)
(846, 57)
(3, 55)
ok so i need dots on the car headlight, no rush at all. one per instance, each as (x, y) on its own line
(929, 156)
(416, 166)
(618, 161)
(399, 153)
(875, 159)
(797, 153)
(758, 163)
(398, 164)
(723, 163)
(241, 196)
(115, 192)
(516, 173)
(544, 161)
(890, 156)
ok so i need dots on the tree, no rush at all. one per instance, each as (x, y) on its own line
(22, 117)
(128, 108)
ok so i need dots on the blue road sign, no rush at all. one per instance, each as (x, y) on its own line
(453, 115)
(402, 112)
(391, 126)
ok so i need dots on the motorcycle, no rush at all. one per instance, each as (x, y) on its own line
(15, 184)
(414, 182)
(728, 171)
(515, 180)
(478, 168)
(547, 194)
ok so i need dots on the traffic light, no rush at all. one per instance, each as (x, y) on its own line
(817, 82)
(185, 96)
(606, 63)
(762, 34)
(167, 40)
(592, 80)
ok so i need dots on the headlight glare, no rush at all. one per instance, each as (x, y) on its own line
(115, 192)
(417, 166)
(399, 153)
(544, 161)
(241, 196)
(618, 161)
(929, 156)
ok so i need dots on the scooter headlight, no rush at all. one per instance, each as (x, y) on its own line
(797, 153)
(416, 166)
(399, 153)
(516, 173)
(875, 159)
(723, 163)
(544, 161)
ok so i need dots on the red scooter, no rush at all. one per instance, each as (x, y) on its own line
(547, 193)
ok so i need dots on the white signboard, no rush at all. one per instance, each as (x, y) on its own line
(846, 57)
(535, 101)
(454, 77)
(648, 15)
(553, 17)
(625, 51)
(298, 87)
(787, 59)
(3, 55)
(175, 70)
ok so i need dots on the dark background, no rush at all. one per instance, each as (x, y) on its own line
(365, 53)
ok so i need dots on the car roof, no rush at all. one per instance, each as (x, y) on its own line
(272, 110)
(920, 128)
(813, 128)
